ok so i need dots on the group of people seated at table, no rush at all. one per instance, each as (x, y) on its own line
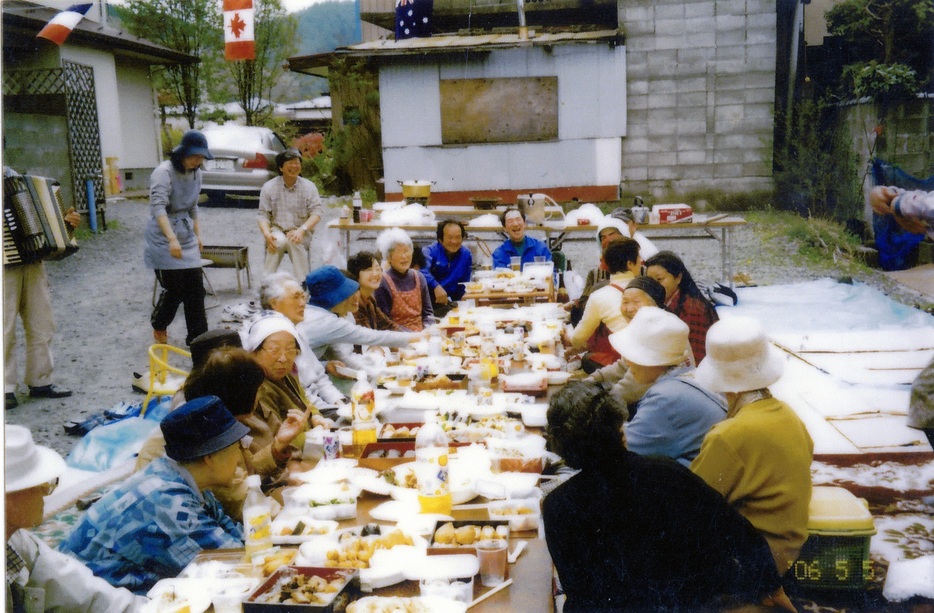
(689, 486)
(699, 501)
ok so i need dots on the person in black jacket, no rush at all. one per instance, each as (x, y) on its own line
(637, 533)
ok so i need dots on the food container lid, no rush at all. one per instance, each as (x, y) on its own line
(455, 566)
(834, 510)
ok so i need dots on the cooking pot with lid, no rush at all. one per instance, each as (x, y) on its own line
(416, 189)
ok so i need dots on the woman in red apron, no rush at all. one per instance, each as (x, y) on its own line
(403, 293)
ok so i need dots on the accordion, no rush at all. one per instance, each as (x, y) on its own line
(34, 225)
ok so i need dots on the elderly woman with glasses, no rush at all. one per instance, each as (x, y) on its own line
(403, 292)
(280, 292)
(670, 543)
(273, 340)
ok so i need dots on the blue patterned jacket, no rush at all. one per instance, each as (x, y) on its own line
(150, 527)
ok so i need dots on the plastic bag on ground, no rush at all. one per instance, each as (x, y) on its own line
(110, 445)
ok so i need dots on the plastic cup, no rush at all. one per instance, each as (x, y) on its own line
(492, 557)
(228, 602)
(539, 259)
(515, 262)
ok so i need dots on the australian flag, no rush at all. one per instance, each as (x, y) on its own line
(413, 18)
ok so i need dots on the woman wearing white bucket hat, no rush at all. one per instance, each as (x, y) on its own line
(38, 577)
(675, 413)
(759, 458)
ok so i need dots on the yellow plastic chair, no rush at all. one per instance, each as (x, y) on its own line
(164, 379)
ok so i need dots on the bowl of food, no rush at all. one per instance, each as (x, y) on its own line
(522, 514)
(485, 203)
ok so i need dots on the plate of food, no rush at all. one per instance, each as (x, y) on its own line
(293, 529)
(404, 484)
(177, 595)
(397, 388)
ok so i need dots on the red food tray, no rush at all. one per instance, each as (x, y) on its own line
(349, 592)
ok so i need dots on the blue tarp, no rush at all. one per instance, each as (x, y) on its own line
(892, 241)
(824, 305)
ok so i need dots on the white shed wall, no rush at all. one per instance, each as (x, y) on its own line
(140, 144)
(591, 120)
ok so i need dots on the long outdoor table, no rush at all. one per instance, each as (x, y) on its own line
(531, 590)
(716, 227)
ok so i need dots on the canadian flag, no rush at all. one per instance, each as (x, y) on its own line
(60, 26)
(238, 30)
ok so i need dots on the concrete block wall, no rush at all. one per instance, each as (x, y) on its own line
(701, 93)
(906, 133)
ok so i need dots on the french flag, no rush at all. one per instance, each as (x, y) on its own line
(58, 29)
(238, 30)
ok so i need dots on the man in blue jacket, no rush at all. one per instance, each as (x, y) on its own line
(517, 243)
(447, 265)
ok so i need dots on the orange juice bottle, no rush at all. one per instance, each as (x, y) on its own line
(431, 468)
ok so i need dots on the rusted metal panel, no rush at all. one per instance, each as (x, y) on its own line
(499, 110)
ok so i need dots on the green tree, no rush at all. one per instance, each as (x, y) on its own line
(274, 36)
(890, 43)
(186, 26)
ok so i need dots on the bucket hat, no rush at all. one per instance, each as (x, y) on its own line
(202, 345)
(328, 287)
(27, 464)
(200, 427)
(654, 337)
(611, 222)
(266, 324)
(194, 143)
(739, 357)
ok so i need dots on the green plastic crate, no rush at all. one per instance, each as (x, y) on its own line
(836, 554)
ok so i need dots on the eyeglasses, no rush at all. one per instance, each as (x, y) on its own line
(50, 486)
(278, 352)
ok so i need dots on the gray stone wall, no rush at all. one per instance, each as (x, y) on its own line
(905, 134)
(37, 144)
(701, 95)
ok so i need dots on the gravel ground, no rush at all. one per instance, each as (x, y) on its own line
(101, 298)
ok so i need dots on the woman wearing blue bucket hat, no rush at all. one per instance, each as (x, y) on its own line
(173, 237)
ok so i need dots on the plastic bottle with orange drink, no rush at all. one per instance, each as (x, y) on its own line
(431, 468)
(363, 401)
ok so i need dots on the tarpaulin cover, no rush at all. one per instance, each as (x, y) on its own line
(892, 241)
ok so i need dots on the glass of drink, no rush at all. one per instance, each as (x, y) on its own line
(492, 557)
(515, 262)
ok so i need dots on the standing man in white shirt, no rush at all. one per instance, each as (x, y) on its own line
(289, 210)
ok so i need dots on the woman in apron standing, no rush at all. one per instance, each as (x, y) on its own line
(173, 238)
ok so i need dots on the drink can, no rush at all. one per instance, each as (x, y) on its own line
(331, 445)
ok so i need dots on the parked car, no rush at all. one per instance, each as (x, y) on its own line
(244, 159)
